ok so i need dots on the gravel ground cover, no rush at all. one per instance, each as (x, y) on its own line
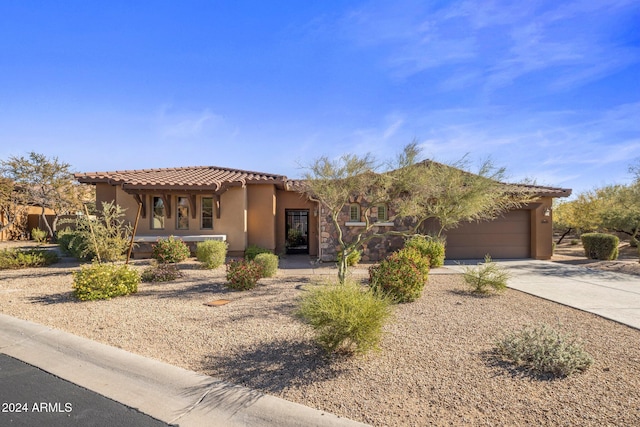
(436, 365)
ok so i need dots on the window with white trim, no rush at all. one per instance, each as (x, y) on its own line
(383, 213)
(354, 212)
(157, 219)
(206, 213)
(182, 213)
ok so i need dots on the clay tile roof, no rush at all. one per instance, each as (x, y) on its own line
(194, 177)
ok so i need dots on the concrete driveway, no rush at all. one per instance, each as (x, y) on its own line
(615, 296)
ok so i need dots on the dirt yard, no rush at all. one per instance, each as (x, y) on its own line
(436, 365)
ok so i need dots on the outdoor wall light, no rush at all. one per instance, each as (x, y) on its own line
(547, 212)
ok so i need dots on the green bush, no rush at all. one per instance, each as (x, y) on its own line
(211, 253)
(268, 262)
(345, 316)
(170, 250)
(75, 244)
(401, 275)
(243, 275)
(600, 246)
(161, 273)
(63, 239)
(485, 276)
(430, 247)
(38, 235)
(105, 237)
(11, 259)
(544, 351)
(104, 281)
(352, 259)
(253, 250)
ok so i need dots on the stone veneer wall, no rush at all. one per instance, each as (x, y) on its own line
(375, 249)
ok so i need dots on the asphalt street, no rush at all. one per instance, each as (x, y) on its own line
(32, 397)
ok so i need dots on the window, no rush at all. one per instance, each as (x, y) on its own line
(157, 219)
(354, 212)
(182, 217)
(206, 213)
(383, 213)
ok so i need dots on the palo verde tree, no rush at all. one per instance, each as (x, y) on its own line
(583, 214)
(44, 182)
(451, 195)
(414, 189)
(335, 183)
(621, 209)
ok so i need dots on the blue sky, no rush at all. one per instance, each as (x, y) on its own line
(548, 89)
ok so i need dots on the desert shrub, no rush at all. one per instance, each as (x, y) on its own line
(243, 275)
(430, 247)
(161, 273)
(38, 235)
(253, 250)
(268, 262)
(543, 350)
(63, 239)
(574, 242)
(80, 247)
(600, 246)
(211, 253)
(170, 250)
(486, 276)
(16, 258)
(345, 317)
(353, 258)
(401, 276)
(104, 237)
(104, 281)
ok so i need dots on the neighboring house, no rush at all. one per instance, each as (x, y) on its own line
(31, 218)
(253, 208)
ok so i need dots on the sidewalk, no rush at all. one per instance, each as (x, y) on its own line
(165, 392)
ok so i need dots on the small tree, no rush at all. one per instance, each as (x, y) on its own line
(13, 206)
(622, 212)
(451, 195)
(335, 183)
(104, 237)
(45, 182)
(417, 190)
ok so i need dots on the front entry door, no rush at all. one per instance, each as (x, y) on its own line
(297, 238)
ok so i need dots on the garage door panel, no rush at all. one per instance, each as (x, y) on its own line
(505, 237)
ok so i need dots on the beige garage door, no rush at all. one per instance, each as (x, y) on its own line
(506, 237)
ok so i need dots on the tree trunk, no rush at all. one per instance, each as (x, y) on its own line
(564, 235)
(44, 218)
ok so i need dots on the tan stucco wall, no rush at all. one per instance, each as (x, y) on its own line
(541, 229)
(107, 193)
(232, 221)
(293, 200)
(261, 216)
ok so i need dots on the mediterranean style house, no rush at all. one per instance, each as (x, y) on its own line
(247, 208)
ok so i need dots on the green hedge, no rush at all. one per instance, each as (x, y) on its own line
(211, 253)
(170, 250)
(401, 276)
(429, 246)
(600, 246)
(253, 250)
(26, 258)
(104, 281)
(268, 262)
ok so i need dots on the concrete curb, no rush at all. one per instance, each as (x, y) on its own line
(165, 392)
